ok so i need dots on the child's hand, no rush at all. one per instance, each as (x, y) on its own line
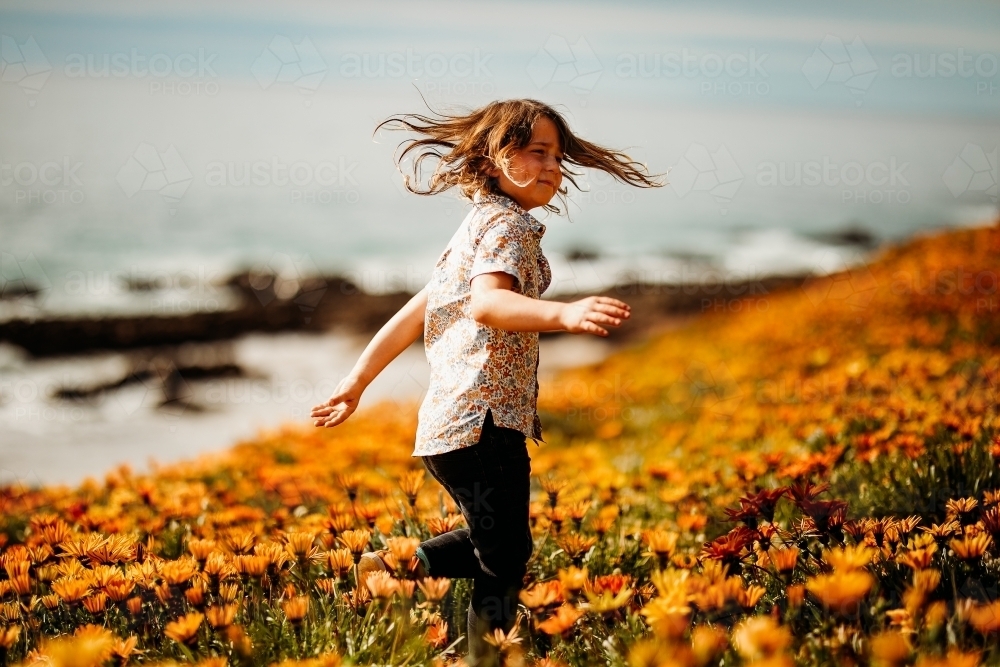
(585, 315)
(340, 405)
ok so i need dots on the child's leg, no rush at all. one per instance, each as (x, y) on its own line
(490, 483)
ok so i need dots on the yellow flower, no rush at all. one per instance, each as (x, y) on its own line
(607, 601)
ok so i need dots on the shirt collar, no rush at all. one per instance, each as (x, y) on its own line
(508, 203)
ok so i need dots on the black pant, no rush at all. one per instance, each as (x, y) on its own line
(489, 482)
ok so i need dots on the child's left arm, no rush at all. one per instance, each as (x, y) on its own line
(495, 304)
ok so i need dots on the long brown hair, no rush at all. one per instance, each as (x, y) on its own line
(466, 146)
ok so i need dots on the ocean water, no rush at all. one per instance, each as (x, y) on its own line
(177, 143)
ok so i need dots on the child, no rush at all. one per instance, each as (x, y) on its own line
(480, 316)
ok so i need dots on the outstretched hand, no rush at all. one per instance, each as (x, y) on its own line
(341, 404)
(586, 315)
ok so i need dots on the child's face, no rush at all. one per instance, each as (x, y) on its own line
(535, 167)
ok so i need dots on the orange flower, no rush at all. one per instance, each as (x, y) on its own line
(410, 484)
(841, 591)
(784, 560)
(124, 648)
(437, 634)
(9, 635)
(356, 541)
(176, 572)
(340, 561)
(439, 526)
(971, 547)
(221, 616)
(542, 594)
(300, 546)
(561, 620)
(985, 618)
(434, 588)
(660, 543)
(381, 584)
(576, 545)
(184, 630)
(572, 579)
(761, 637)
(95, 603)
(201, 549)
(71, 589)
(402, 548)
(296, 608)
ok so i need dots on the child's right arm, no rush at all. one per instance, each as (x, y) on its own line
(395, 336)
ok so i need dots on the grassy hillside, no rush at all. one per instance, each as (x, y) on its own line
(808, 478)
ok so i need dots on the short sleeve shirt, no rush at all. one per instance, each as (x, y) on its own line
(474, 366)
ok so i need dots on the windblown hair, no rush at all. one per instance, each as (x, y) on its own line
(468, 146)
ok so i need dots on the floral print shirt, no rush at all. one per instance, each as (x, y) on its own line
(475, 366)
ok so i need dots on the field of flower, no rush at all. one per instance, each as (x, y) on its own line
(808, 478)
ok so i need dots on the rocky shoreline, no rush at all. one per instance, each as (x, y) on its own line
(333, 303)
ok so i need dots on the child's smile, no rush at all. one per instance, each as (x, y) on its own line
(536, 167)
